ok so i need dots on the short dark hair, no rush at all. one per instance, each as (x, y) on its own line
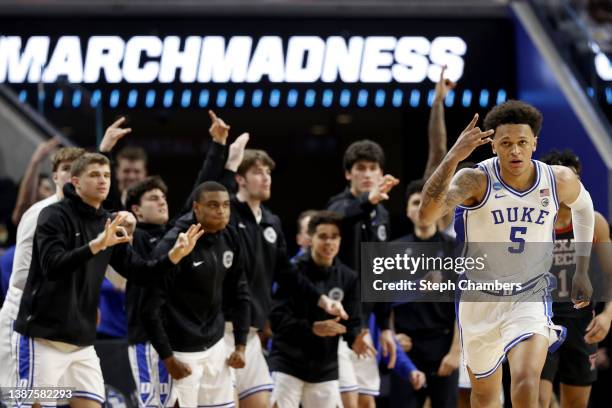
(565, 158)
(66, 154)
(514, 112)
(363, 150)
(80, 165)
(323, 217)
(415, 186)
(207, 187)
(132, 153)
(251, 157)
(304, 214)
(134, 194)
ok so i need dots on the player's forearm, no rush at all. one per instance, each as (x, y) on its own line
(27, 191)
(436, 132)
(455, 345)
(436, 189)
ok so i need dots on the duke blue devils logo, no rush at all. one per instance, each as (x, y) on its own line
(512, 214)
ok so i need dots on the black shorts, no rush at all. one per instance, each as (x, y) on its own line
(574, 362)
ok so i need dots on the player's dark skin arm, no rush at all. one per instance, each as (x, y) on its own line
(599, 327)
(444, 190)
(436, 128)
(568, 189)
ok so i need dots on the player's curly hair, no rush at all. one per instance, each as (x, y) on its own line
(514, 112)
(363, 150)
(565, 158)
(135, 193)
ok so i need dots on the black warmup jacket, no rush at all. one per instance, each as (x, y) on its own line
(430, 324)
(146, 237)
(265, 248)
(62, 293)
(296, 350)
(183, 311)
(362, 222)
(266, 256)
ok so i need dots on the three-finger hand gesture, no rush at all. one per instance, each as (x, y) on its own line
(185, 243)
(113, 134)
(471, 137)
(381, 191)
(114, 233)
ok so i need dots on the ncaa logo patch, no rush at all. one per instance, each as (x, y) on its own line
(497, 186)
(336, 294)
(270, 235)
(381, 232)
(228, 259)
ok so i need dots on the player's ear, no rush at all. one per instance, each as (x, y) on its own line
(239, 179)
(535, 143)
(347, 175)
(75, 181)
(135, 210)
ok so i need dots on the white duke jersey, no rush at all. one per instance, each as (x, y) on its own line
(23, 254)
(515, 229)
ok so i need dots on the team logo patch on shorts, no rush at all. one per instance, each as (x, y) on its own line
(593, 361)
(381, 232)
(270, 235)
(228, 259)
(336, 294)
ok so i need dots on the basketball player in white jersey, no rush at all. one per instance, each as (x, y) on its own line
(61, 161)
(510, 199)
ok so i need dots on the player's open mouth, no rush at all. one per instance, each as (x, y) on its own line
(516, 163)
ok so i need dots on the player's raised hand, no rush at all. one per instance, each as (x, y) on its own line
(43, 150)
(219, 130)
(328, 328)
(176, 368)
(381, 191)
(113, 234)
(236, 152)
(332, 307)
(113, 134)
(238, 358)
(443, 86)
(185, 243)
(363, 345)
(471, 137)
